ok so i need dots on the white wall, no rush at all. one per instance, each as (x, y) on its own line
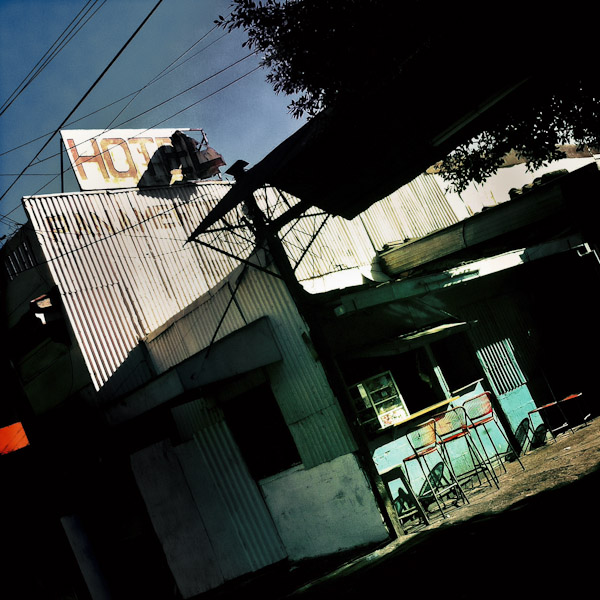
(325, 509)
(496, 189)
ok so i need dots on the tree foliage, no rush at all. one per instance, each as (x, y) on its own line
(565, 111)
(325, 52)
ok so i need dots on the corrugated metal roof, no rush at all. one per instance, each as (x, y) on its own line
(124, 270)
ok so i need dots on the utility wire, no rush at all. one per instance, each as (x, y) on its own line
(195, 85)
(162, 74)
(50, 54)
(3, 108)
(166, 118)
(85, 95)
(151, 127)
(65, 42)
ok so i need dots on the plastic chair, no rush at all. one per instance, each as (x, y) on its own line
(480, 413)
(450, 426)
(424, 442)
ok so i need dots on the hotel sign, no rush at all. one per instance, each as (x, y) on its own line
(126, 158)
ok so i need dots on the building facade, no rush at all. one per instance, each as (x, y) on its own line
(191, 412)
(194, 358)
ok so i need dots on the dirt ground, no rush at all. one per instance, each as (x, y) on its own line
(535, 536)
(555, 464)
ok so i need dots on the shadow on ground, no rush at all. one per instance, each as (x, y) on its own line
(541, 545)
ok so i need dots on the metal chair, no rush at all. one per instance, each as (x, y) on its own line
(545, 414)
(542, 411)
(424, 442)
(480, 413)
(451, 426)
(584, 411)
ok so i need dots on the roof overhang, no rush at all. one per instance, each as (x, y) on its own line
(244, 350)
(348, 157)
(410, 341)
(404, 289)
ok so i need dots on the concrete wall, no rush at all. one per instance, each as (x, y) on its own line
(325, 509)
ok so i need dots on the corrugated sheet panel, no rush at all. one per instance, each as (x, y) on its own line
(299, 382)
(122, 264)
(494, 340)
(194, 416)
(413, 211)
(238, 493)
(209, 319)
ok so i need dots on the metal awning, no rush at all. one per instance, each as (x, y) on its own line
(411, 341)
(246, 349)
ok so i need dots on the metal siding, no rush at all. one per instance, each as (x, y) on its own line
(298, 382)
(147, 261)
(134, 241)
(258, 538)
(493, 339)
(194, 416)
(211, 319)
(413, 211)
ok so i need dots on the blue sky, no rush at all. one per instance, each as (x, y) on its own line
(243, 121)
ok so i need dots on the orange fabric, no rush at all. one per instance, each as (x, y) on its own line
(454, 437)
(12, 438)
(571, 397)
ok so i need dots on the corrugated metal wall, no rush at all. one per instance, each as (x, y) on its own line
(123, 267)
(501, 343)
(258, 543)
(298, 382)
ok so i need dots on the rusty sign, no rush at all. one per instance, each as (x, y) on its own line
(126, 158)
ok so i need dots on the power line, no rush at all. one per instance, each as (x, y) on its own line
(147, 129)
(85, 95)
(212, 76)
(46, 60)
(162, 73)
(3, 108)
(170, 116)
(158, 77)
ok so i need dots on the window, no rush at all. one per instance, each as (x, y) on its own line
(258, 427)
(378, 402)
(21, 259)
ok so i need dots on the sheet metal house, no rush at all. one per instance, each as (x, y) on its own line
(176, 404)
(188, 411)
(502, 302)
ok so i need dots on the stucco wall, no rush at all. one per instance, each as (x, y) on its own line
(325, 509)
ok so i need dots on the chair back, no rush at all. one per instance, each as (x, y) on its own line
(451, 422)
(479, 407)
(422, 436)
